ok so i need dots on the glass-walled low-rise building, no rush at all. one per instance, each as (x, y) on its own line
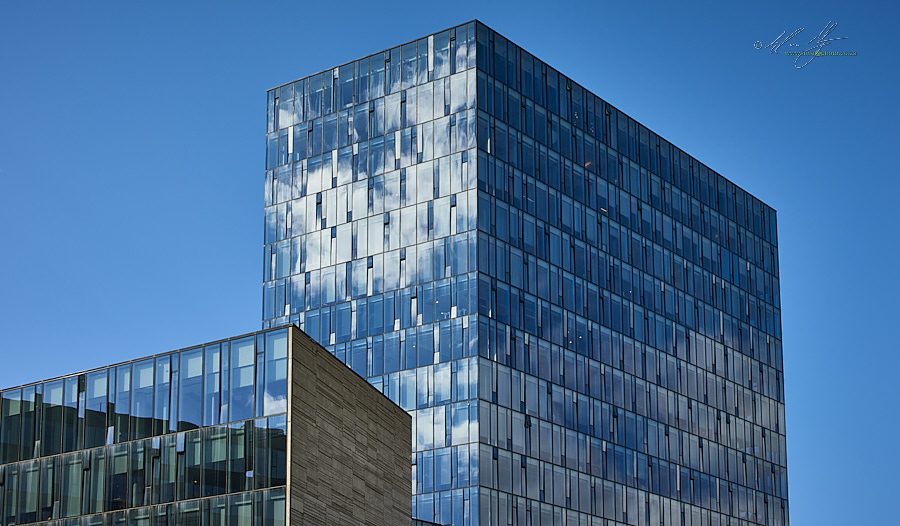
(202, 435)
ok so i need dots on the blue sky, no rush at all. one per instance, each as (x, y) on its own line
(132, 158)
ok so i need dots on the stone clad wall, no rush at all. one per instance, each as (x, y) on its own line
(349, 445)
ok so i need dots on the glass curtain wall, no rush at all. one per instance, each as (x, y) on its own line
(371, 189)
(583, 320)
(628, 317)
(103, 443)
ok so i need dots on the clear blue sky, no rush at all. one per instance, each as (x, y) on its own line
(132, 158)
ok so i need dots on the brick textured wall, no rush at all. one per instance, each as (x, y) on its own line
(349, 445)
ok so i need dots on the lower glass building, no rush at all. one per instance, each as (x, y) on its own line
(266, 428)
(582, 319)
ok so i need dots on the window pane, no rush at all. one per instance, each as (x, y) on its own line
(214, 460)
(190, 391)
(139, 517)
(162, 395)
(276, 373)
(139, 474)
(162, 516)
(49, 495)
(215, 509)
(211, 399)
(274, 507)
(164, 486)
(71, 430)
(51, 422)
(117, 479)
(28, 492)
(261, 454)
(95, 482)
(242, 376)
(240, 456)
(122, 402)
(70, 485)
(142, 399)
(188, 513)
(277, 464)
(240, 509)
(10, 411)
(95, 409)
(192, 466)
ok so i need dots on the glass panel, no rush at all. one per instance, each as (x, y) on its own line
(163, 516)
(70, 485)
(117, 478)
(95, 482)
(278, 460)
(223, 407)
(71, 426)
(275, 400)
(242, 376)
(139, 517)
(28, 491)
(140, 476)
(122, 402)
(376, 76)
(10, 414)
(8, 496)
(165, 473)
(408, 71)
(193, 466)
(329, 139)
(261, 454)
(215, 509)
(188, 513)
(49, 494)
(162, 395)
(240, 456)
(442, 54)
(95, 409)
(314, 100)
(191, 390)
(211, 398)
(118, 518)
(345, 98)
(51, 422)
(214, 461)
(28, 416)
(142, 399)
(274, 507)
(240, 509)
(261, 368)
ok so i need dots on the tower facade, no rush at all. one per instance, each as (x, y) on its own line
(236, 432)
(582, 319)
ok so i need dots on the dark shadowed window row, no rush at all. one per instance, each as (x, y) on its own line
(223, 382)
(205, 462)
(239, 509)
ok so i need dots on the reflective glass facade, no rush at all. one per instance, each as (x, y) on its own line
(583, 320)
(196, 436)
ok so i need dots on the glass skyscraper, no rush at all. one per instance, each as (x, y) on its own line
(582, 319)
